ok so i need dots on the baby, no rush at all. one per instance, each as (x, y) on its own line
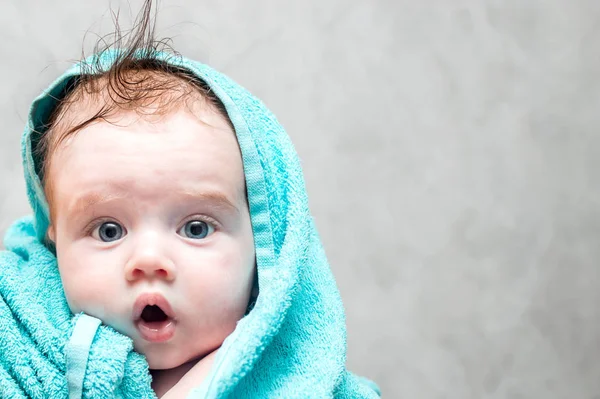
(149, 214)
(165, 198)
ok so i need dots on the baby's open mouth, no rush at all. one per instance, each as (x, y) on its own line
(153, 314)
(154, 318)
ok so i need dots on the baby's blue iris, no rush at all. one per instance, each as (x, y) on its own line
(110, 231)
(196, 229)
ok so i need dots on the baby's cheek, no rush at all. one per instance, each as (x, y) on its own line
(86, 289)
(231, 300)
(220, 289)
(87, 295)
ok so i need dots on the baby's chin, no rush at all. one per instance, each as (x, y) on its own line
(163, 365)
(160, 362)
(169, 357)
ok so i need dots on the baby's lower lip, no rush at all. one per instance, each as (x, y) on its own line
(156, 331)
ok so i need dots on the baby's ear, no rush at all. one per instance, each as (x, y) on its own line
(51, 233)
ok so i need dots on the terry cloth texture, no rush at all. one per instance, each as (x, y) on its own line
(292, 344)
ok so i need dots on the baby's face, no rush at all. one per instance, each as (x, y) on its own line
(155, 213)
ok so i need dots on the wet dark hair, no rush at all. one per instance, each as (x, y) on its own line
(137, 80)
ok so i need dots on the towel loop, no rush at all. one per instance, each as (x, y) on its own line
(77, 353)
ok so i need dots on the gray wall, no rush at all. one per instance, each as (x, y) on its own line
(451, 152)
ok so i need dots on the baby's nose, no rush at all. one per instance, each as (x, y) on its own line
(149, 265)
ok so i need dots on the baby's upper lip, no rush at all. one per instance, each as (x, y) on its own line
(149, 299)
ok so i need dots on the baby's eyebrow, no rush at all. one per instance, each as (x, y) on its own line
(215, 198)
(87, 201)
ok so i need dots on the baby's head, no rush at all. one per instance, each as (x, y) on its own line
(145, 183)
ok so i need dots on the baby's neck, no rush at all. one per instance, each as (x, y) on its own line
(163, 380)
(179, 381)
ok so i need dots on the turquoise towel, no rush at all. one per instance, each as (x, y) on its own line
(36, 326)
(291, 345)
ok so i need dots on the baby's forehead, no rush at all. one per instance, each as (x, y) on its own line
(161, 144)
(162, 161)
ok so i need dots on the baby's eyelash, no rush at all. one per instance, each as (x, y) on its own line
(88, 230)
(213, 222)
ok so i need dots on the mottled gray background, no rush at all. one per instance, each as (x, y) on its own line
(451, 153)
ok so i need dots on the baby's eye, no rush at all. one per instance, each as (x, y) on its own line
(196, 229)
(108, 232)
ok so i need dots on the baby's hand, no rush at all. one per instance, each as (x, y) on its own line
(193, 378)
